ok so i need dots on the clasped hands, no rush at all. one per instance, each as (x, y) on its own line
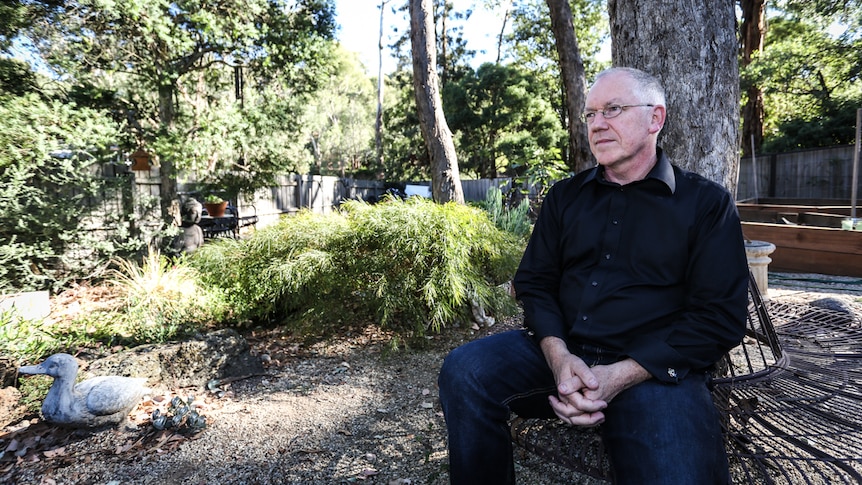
(583, 392)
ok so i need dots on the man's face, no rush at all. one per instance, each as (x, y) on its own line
(627, 136)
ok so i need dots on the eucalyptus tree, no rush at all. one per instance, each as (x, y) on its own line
(338, 122)
(752, 34)
(558, 41)
(691, 45)
(445, 176)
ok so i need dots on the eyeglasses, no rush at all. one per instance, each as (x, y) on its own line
(611, 111)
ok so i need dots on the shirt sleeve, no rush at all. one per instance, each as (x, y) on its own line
(537, 280)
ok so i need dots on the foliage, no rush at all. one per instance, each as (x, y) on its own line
(173, 68)
(408, 265)
(405, 156)
(51, 195)
(339, 120)
(540, 173)
(502, 118)
(24, 340)
(514, 220)
(161, 299)
(810, 83)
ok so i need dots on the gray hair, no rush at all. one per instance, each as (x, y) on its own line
(648, 84)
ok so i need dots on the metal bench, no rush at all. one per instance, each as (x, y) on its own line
(227, 226)
(790, 398)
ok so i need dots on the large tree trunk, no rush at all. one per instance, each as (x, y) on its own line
(445, 179)
(752, 37)
(691, 46)
(572, 69)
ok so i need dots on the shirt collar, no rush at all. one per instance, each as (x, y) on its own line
(662, 172)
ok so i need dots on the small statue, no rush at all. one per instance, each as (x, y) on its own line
(192, 236)
(96, 402)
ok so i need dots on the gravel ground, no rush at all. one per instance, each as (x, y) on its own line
(344, 411)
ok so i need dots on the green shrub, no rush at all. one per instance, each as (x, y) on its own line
(50, 153)
(408, 265)
(512, 220)
(160, 299)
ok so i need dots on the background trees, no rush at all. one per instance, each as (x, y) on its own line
(236, 93)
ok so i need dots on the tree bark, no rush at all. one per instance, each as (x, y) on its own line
(445, 179)
(378, 124)
(752, 36)
(574, 83)
(691, 46)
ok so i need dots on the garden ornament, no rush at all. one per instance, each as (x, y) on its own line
(96, 402)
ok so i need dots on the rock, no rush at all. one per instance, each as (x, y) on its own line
(193, 363)
(10, 409)
(8, 371)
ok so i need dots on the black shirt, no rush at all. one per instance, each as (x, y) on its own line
(654, 270)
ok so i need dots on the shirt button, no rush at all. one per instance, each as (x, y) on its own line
(584, 318)
(615, 222)
(607, 256)
(671, 372)
(595, 283)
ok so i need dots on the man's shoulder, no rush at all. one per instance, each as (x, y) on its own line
(575, 180)
(693, 180)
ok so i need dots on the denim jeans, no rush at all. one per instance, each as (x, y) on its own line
(655, 433)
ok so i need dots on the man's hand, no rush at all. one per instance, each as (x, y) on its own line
(583, 392)
(574, 380)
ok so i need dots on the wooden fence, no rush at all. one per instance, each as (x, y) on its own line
(807, 174)
(825, 173)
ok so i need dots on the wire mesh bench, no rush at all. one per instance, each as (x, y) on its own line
(790, 397)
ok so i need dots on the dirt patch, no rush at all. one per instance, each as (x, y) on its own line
(344, 411)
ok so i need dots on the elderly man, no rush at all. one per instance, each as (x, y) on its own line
(633, 284)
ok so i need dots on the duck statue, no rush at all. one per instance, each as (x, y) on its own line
(96, 402)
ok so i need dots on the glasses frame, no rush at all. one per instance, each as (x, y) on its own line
(610, 111)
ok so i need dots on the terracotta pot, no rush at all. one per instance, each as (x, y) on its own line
(216, 210)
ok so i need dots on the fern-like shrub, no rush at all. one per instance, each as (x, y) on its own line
(409, 266)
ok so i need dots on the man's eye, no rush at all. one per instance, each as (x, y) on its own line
(589, 115)
(613, 110)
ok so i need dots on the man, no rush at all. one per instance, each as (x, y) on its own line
(633, 284)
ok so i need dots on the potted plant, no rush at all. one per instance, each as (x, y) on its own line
(215, 205)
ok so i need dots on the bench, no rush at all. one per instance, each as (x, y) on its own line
(790, 397)
(228, 225)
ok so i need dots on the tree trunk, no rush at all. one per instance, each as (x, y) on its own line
(690, 45)
(752, 38)
(378, 125)
(572, 69)
(445, 179)
(168, 197)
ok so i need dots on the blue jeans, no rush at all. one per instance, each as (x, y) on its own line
(655, 433)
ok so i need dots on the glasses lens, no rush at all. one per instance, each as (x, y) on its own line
(612, 111)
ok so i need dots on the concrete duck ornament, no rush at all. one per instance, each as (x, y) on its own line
(94, 403)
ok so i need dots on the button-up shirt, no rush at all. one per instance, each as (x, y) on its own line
(654, 270)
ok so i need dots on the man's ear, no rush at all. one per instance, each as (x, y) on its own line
(659, 114)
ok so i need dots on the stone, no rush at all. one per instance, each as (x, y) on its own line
(8, 371)
(11, 411)
(193, 363)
